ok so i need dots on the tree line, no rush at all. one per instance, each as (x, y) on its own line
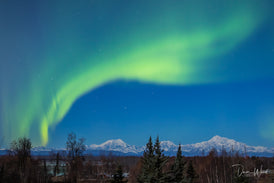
(153, 167)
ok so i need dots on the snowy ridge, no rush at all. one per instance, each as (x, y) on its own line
(229, 145)
(168, 146)
(119, 147)
(202, 148)
(116, 146)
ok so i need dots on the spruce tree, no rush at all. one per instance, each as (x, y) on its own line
(153, 162)
(190, 173)
(177, 170)
(240, 179)
(118, 176)
(148, 166)
(160, 161)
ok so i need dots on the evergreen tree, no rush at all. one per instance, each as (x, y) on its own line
(148, 167)
(177, 170)
(160, 161)
(153, 162)
(240, 179)
(118, 176)
(190, 173)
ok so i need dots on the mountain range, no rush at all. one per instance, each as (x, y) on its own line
(119, 148)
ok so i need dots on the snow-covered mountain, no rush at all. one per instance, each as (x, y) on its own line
(229, 145)
(116, 147)
(168, 146)
(120, 148)
(202, 148)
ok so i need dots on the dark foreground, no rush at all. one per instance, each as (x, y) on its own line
(19, 166)
(57, 168)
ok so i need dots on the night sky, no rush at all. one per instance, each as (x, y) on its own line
(183, 70)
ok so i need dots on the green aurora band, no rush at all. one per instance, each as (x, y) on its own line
(86, 45)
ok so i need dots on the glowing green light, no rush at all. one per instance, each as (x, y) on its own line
(169, 49)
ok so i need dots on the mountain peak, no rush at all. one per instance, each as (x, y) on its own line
(222, 140)
(167, 142)
(217, 137)
(168, 145)
(117, 145)
(116, 142)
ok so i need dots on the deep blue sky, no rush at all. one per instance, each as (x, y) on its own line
(183, 70)
(133, 111)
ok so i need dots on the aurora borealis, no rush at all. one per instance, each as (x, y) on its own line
(54, 52)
